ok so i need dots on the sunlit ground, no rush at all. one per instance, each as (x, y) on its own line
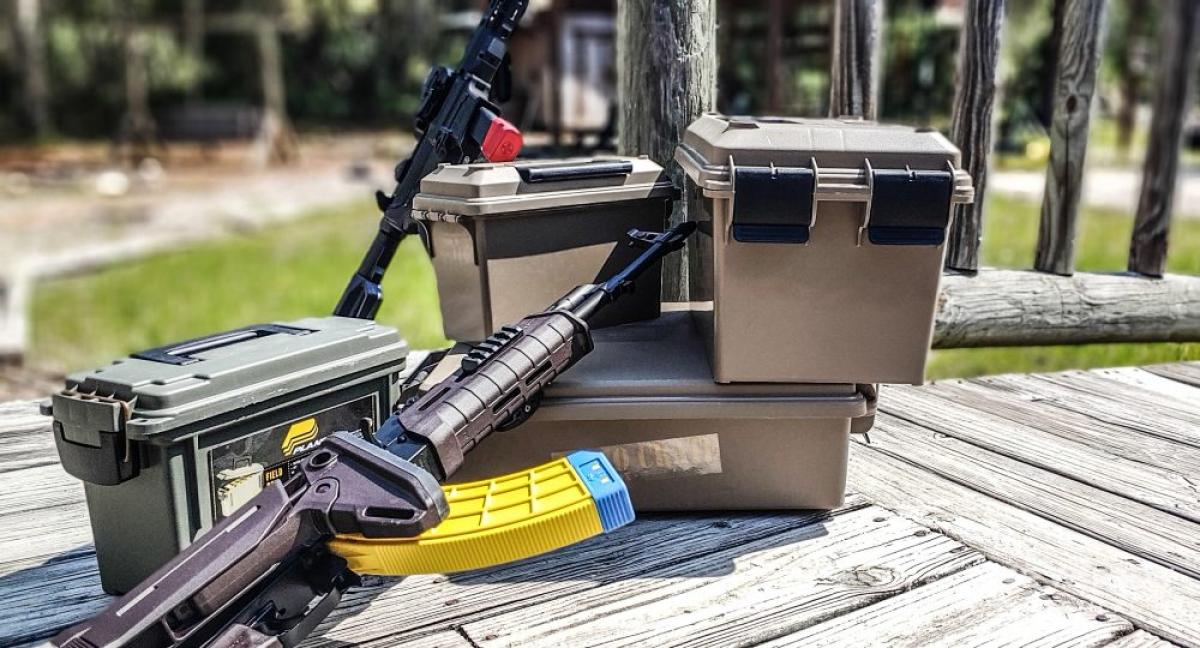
(299, 269)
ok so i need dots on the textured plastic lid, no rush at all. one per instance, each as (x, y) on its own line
(712, 140)
(660, 369)
(480, 190)
(207, 377)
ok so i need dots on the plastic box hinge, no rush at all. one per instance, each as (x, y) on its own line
(909, 207)
(89, 432)
(773, 204)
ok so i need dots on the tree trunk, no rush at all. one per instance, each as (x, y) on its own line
(667, 77)
(971, 125)
(31, 47)
(1172, 99)
(193, 38)
(277, 140)
(138, 130)
(854, 76)
(1131, 76)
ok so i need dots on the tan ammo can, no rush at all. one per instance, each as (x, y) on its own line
(821, 247)
(681, 442)
(507, 239)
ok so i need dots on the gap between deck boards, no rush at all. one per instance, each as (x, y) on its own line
(1078, 530)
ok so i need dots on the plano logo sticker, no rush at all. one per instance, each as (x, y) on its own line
(301, 436)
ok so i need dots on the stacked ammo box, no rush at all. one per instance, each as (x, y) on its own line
(814, 277)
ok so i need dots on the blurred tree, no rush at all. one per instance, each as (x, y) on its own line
(1027, 59)
(920, 58)
(29, 40)
(1126, 62)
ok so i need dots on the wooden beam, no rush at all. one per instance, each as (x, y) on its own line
(1179, 35)
(1077, 27)
(854, 76)
(971, 125)
(667, 77)
(1022, 308)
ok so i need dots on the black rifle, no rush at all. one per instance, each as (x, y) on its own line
(458, 122)
(265, 576)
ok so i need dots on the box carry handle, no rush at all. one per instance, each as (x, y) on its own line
(570, 172)
(182, 353)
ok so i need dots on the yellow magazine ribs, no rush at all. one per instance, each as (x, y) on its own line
(271, 570)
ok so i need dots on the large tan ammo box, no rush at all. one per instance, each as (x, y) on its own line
(646, 398)
(508, 239)
(821, 246)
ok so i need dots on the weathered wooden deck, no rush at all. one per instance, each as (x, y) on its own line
(1057, 509)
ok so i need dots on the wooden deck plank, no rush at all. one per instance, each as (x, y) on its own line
(1109, 406)
(1187, 373)
(1140, 639)
(776, 586)
(1141, 391)
(1139, 529)
(420, 604)
(1146, 380)
(1146, 441)
(25, 440)
(1166, 490)
(988, 605)
(34, 489)
(1153, 597)
(40, 601)
(427, 604)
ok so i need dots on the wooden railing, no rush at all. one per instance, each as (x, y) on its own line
(662, 92)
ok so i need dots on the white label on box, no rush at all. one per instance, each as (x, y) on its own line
(667, 458)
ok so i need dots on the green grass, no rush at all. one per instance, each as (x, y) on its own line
(282, 273)
(298, 270)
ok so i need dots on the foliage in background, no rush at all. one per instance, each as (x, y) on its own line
(920, 58)
(346, 62)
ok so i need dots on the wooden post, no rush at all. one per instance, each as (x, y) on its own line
(667, 77)
(27, 33)
(854, 77)
(1077, 28)
(971, 124)
(1179, 39)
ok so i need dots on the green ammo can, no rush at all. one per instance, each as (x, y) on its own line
(171, 440)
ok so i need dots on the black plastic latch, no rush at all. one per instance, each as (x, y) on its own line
(909, 207)
(773, 204)
(89, 432)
